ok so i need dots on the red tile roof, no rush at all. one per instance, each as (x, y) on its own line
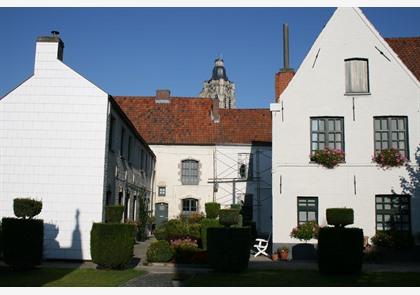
(408, 50)
(188, 121)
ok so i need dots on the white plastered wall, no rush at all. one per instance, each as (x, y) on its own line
(318, 89)
(52, 148)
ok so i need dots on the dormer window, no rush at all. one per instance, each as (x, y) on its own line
(357, 76)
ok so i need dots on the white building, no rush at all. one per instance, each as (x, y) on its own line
(352, 92)
(205, 154)
(66, 142)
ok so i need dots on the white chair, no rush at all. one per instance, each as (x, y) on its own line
(262, 246)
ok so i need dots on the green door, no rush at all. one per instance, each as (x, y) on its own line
(161, 212)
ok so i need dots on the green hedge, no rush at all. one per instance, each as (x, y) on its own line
(114, 213)
(340, 250)
(111, 244)
(205, 224)
(340, 216)
(26, 208)
(159, 251)
(393, 240)
(22, 242)
(229, 248)
(228, 217)
(212, 210)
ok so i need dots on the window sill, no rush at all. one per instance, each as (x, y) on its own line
(357, 93)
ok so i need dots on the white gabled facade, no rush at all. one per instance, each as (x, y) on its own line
(216, 163)
(54, 147)
(318, 90)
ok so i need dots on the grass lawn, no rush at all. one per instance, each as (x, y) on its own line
(61, 277)
(303, 278)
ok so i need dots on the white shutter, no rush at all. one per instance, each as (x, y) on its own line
(357, 76)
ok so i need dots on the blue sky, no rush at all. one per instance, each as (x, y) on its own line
(134, 51)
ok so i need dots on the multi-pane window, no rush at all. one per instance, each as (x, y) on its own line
(327, 132)
(307, 209)
(189, 206)
(189, 172)
(111, 133)
(162, 191)
(391, 132)
(392, 212)
(357, 75)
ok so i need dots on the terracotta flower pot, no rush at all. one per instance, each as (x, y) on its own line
(284, 255)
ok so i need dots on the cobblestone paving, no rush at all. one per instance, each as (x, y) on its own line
(151, 280)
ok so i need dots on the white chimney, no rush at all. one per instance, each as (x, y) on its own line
(49, 49)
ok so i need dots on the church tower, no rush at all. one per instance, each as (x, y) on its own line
(220, 87)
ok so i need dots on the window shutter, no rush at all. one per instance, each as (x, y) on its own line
(357, 80)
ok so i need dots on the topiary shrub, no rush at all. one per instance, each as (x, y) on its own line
(229, 248)
(340, 250)
(26, 208)
(228, 217)
(114, 213)
(340, 216)
(236, 206)
(212, 210)
(392, 239)
(111, 244)
(159, 251)
(160, 232)
(205, 224)
(1, 242)
(22, 242)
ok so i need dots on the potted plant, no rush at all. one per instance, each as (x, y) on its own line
(389, 158)
(327, 157)
(275, 256)
(284, 253)
(305, 231)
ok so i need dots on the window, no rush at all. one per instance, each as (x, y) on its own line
(162, 191)
(122, 142)
(393, 212)
(327, 132)
(129, 149)
(307, 209)
(111, 133)
(189, 206)
(357, 75)
(391, 132)
(189, 172)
